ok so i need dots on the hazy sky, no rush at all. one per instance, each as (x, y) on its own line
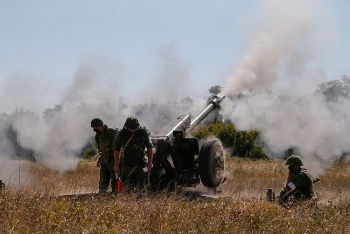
(44, 43)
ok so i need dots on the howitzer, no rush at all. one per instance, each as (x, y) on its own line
(177, 159)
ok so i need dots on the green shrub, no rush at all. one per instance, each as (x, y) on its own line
(241, 142)
(89, 150)
(224, 131)
(257, 152)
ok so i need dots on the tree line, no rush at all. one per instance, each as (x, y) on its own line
(241, 143)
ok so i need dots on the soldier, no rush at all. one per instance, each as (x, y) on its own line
(104, 139)
(299, 184)
(135, 163)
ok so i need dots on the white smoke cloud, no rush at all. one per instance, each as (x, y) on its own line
(23, 89)
(285, 39)
(285, 42)
(97, 89)
(171, 77)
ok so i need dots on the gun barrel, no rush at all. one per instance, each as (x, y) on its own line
(184, 123)
(201, 116)
(180, 123)
(213, 103)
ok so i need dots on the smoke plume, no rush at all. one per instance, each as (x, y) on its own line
(277, 84)
(98, 88)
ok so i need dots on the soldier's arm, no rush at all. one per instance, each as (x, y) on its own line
(112, 135)
(98, 163)
(116, 161)
(117, 146)
(289, 179)
(149, 146)
(96, 139)
(296, 182)
(117, 142)
(290, 176)
(150, 158)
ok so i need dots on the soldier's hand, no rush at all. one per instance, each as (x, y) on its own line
(98, 162)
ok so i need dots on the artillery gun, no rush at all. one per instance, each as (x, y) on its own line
(177, 159)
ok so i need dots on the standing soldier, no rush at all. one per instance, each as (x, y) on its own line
(135, 163)
(104, 139)
(299, 182)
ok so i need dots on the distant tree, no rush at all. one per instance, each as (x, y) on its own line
(215, 89)
(121, 104)
(245, 146)
(336, 88)
(186, 102)
(12, 138)
(50, 113)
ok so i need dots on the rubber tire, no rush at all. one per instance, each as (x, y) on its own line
(211, 163)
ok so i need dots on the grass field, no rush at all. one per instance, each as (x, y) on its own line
(241, 207)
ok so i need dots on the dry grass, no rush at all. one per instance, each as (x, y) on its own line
(240, 208)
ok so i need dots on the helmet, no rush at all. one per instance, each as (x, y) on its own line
(132, 123)
(294, 160)
(96, 122)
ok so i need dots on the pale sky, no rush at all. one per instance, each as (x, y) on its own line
(43, 43)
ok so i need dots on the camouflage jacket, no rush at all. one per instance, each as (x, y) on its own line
(301, 185)
(134, 151)
(104, 142)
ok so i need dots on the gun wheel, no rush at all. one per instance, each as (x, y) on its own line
(211, 163)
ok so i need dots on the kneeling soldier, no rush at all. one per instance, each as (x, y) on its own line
(299, 184)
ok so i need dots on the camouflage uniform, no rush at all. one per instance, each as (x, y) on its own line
(133, 162)
(301, 184)
(104, 142)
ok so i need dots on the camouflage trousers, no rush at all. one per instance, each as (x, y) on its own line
(107, 176)
(133, 176)
(293, 196)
